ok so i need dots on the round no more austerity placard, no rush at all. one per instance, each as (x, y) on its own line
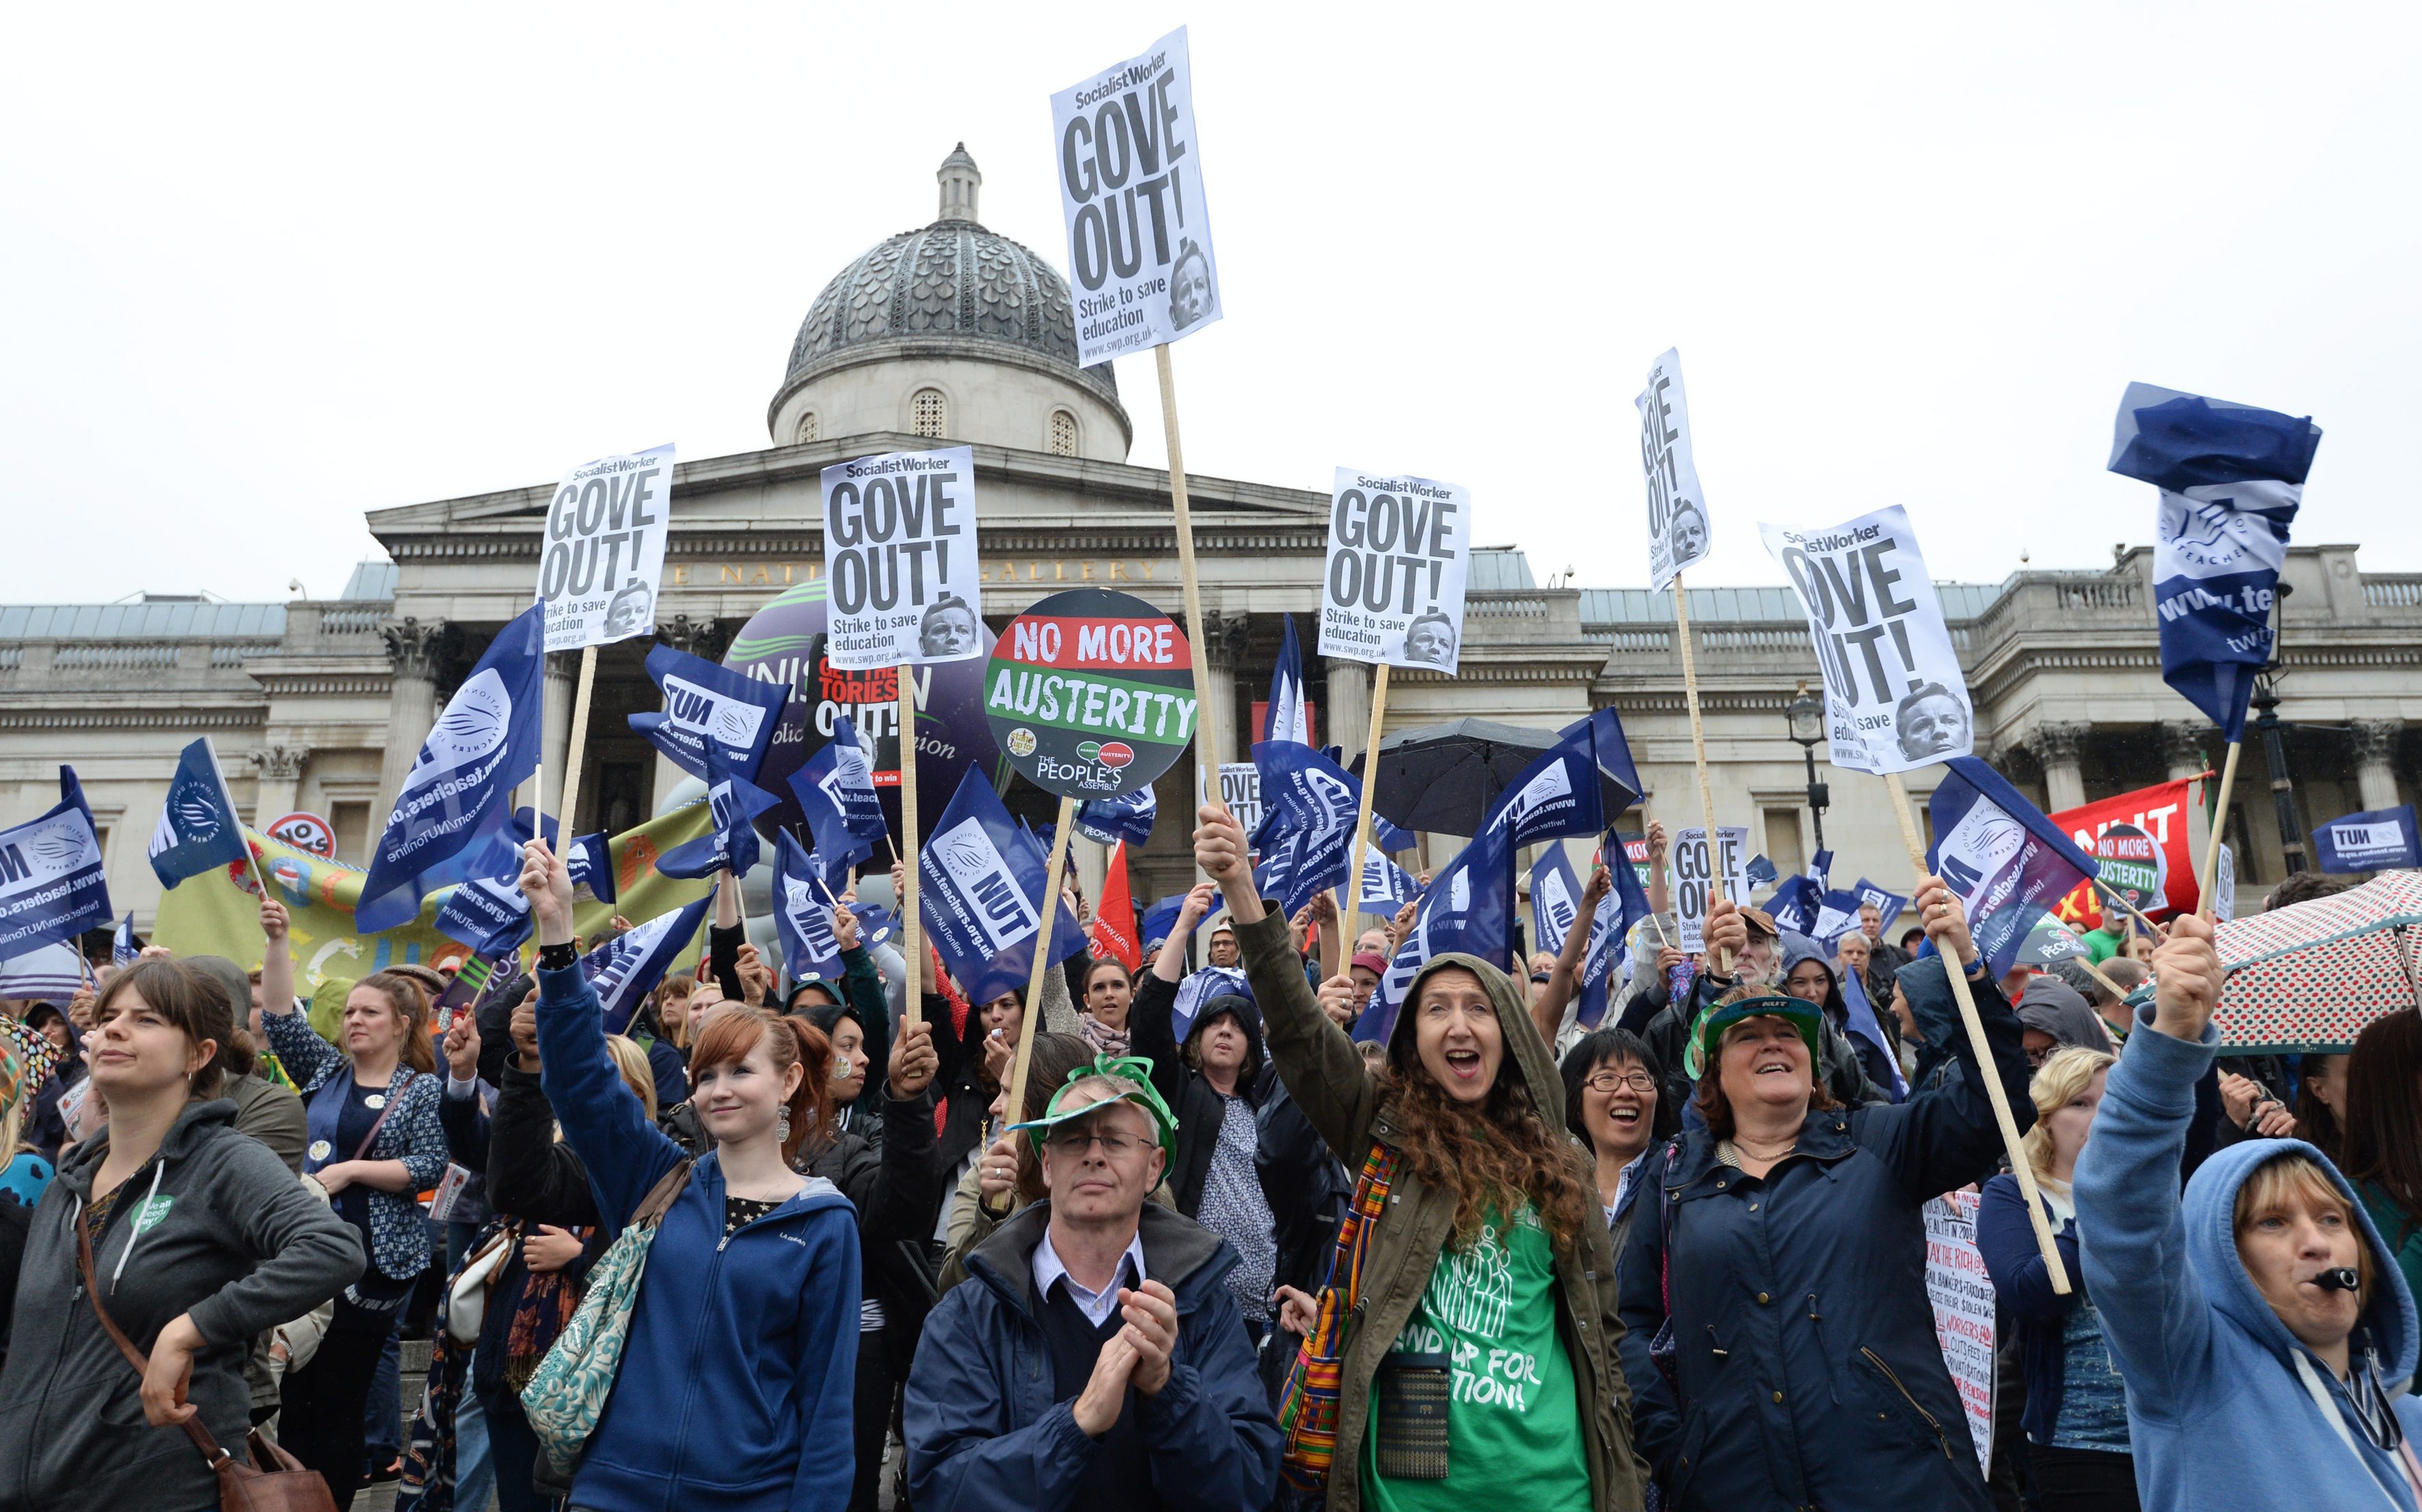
(1091, 693)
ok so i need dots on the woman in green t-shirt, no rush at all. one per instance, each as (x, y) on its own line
(1477, 1359)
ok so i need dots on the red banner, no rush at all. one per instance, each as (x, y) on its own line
(2140, 839)
(1114, 926)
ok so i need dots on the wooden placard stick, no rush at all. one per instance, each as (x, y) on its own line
(2104, 888)
(2204, 878)
(1698, 742)
(2019, 1165)
(1207, 743)
(1033, 1015)
(576, 746)
(912, 935)
(1346, 920)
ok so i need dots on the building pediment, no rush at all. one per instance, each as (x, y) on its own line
(777, 491)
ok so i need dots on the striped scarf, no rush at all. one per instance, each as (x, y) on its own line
(1308, 1409)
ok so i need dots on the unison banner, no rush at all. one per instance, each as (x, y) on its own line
(1131, 189)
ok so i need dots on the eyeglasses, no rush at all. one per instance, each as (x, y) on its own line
(1075, 1143)
(1639, 1081)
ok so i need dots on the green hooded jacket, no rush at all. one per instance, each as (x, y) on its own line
(1324, 1071)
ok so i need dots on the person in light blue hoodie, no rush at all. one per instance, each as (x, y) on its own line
(2266, 1337)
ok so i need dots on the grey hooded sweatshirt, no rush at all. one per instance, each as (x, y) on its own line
(214, 1226)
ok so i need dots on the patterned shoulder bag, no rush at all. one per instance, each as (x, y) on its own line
(566, 1394)
(1308, 1408)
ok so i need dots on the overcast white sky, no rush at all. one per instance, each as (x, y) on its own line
(268, 269)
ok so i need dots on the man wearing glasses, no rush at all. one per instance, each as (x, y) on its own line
(1095, 1358)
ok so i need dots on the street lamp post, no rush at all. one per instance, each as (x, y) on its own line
(2274, 745)
(1806, 714)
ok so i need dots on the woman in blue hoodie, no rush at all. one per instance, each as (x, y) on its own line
(2257, 1376)
(735, 1386)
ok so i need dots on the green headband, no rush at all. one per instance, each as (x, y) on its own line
(1132, 1068)
(1708, 1032)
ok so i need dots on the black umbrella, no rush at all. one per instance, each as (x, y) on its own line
(1442, 778)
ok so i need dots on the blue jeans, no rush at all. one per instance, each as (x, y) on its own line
(475, 1468)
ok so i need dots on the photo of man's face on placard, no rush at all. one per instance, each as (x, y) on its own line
(1189, 286)
(627, 615)
(1430, 639)
(1687, 532)
(949, 629)
(1931, 721)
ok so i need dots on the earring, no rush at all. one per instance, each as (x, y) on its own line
(782, 1127)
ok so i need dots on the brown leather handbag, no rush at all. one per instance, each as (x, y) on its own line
(276, 1481)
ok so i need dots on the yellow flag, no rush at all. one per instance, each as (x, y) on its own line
(218, 913)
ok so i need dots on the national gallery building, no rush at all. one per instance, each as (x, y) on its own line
(952, 334)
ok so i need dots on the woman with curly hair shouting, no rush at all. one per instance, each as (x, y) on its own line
(1464, 1346)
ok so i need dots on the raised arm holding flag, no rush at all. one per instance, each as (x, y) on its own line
(2232, 478)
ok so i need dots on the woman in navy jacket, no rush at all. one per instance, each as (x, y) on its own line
(734, 1392)
(1777, 1336)
(2076, 1413)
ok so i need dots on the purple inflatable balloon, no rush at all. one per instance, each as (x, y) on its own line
(784, 642)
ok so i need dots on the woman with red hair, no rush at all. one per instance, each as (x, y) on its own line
(737, 1377)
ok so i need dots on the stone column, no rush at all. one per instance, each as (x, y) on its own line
(1347, 719)
(281, 772)
(2182, 753)
(562, 677)
(2375, 761)
(412, 651)
(2055, 748)
(704, 639)
(1224, 639)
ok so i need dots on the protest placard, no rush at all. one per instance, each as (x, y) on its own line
(1678, 512)
(1091, 692)
(305, 832)
(1962, 1295)
(1399, 549)
(2158, 879)
(1699, 877)
(1130, 171)
(1240, 792)
(900, 555)
(604, 553)
(1894, 696)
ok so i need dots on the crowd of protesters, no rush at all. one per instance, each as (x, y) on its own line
(1246, 1241)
